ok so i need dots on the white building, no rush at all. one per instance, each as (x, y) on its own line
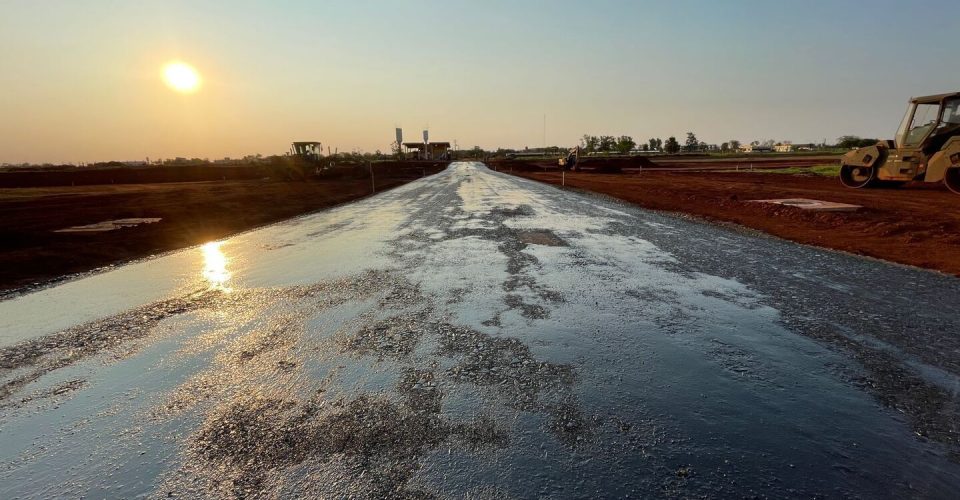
(750, 148)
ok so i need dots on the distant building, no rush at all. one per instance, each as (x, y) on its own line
(762, 149)
(429, 150)
(750, 148)
(783, 148)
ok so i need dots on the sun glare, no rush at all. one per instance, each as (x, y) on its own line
(215, 265)
(181, 77)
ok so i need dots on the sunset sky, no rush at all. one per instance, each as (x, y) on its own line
(82, 80)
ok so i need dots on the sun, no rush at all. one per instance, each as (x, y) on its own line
(181, 77)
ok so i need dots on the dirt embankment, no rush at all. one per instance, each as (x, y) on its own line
(191, 213)
(917, 225)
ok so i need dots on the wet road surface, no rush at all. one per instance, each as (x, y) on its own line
(474, 334)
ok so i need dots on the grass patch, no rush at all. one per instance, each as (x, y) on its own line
(830, 170)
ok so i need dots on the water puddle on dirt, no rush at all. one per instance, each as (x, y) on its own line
(110, 225)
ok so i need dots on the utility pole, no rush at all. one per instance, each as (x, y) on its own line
(373, 183)
(544, 133)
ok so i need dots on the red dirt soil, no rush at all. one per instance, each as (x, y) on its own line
(918, 224)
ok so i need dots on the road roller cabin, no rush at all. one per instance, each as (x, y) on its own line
(926, 148)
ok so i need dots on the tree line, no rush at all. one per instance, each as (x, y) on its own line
(625, 144)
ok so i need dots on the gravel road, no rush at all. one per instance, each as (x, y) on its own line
(473, 334)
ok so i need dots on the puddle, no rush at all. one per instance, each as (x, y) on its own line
(543, 237)
(110, 225)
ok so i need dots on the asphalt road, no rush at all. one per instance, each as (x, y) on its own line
(473, 334)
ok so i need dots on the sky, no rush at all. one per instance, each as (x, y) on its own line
(80, 80)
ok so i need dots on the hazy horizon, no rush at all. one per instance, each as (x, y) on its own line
(82, 80)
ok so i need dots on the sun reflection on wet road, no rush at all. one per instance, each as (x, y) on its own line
(215, 265)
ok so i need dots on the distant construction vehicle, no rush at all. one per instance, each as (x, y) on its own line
(926, 149)
(572, 160)
(308, 150)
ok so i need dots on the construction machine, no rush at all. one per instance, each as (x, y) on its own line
(926, 148)
(572, 160)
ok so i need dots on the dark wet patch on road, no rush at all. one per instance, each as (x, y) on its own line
(283, 332)
(249, 440)
(529, 311)
(401, 294)
(276, 246)
(329, 228)
(456, 295)
(508, 212)
(745, 300)
(395, 337)
(25, 362)
(540, 237)
(934, 413)
(738, 361)
(61, 389)
(654, 295)
(495, 321)
(506, 366)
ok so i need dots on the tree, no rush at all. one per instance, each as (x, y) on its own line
(589, 143)
(625, 144)
(852, 141)
(671, 146)
(734, 144)
(692, 142)
(653, 144)
(725, 147)
(607, 143)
